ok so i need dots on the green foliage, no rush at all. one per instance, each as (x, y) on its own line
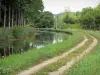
(59, 21)
(6, 34)
(69, 18)
(45, 20)
(97, 17)
(18, 33)
(87, 18)
(22, 32)
(75, 26)
(32, 8)
(29, 8)
(90, 18)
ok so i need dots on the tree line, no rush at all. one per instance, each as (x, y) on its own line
(88, 18)
(18, 12)
(44, 20)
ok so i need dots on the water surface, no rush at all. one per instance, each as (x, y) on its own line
(36, 40)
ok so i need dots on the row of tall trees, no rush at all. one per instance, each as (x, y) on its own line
(18, 12)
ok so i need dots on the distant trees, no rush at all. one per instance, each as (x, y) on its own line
(17, 12)
(90, 18)
(69, 18)
(44, 20)
(87, 18)
(97, 17)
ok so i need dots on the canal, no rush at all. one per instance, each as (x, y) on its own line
(36, 40)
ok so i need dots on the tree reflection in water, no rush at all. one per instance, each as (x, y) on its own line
(37, 40)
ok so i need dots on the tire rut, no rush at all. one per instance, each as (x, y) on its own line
(69, 64)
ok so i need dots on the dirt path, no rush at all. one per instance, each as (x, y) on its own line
(68, 65)
(36, 68)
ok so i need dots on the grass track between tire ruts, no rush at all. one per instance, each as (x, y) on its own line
(53, 67)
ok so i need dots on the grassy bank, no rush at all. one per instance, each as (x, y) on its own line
(13, 63)
(90, 65)
(54, 30)
(15, 33)
(5, 34)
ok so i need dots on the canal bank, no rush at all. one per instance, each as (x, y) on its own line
(19, 62)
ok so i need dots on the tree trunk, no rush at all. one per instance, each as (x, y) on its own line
(4, 52)
(5, 18)
(12, 17)
(12, 50)
(19, 18)
(9, 50)
(16, 20)
(24, 21)
(9, 16)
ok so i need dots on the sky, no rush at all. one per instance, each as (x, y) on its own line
(57, 6)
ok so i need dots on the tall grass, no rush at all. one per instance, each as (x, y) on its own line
(15, 33)
(22, 32)
(90, 65)
(18, 62)
(5, 34)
